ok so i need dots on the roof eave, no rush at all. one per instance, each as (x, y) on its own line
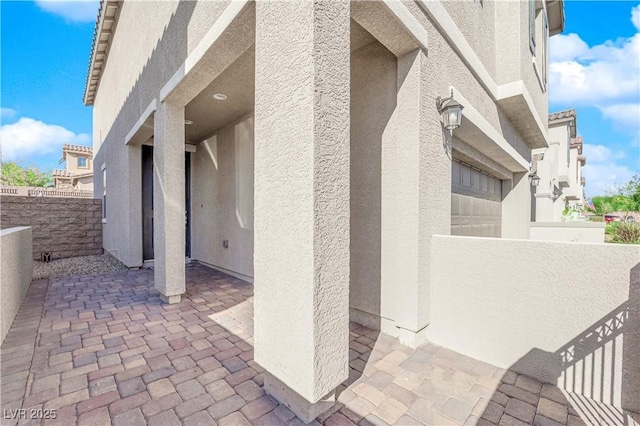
(556, 17)
(105, 27)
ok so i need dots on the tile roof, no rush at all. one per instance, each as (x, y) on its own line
(61, 173)
(560, 115)
(534, 162)
(65, 174)
(576, 143)
(77, 148)
(105, 26)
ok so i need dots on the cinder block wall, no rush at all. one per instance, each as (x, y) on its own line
(66, 227)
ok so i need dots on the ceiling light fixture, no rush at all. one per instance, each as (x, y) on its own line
(187, 122)
(220, 97)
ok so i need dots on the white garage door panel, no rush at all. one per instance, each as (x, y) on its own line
(476, 202)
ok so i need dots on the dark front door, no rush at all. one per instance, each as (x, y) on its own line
(187, 202)
(147, 203)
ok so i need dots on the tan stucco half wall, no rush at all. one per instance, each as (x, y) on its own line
(16, 271)
(564, 313)
(578, 231)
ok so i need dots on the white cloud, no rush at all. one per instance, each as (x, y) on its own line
(72, 10)
(605, 76)
(7, 112)
(627, 115)
(28, 137)
(566, 47)
(602, 75)
(603, 169)
(635, 17)
(601, 154)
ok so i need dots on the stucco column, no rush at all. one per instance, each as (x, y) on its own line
(168, 202)
(516, 206)
(301, 258)
(134, 179)
(416, 201)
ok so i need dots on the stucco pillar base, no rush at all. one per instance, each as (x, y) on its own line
(411, 338)
(176, 298)
(305, 410)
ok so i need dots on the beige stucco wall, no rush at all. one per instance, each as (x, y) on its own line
(498, 34)
(15, 273)
(165, 32)
(477, 22)
(579, 232)
(553, 168)
(71, 163)
(85, 183)
(545, 299)
(373, 99)
(222, 199)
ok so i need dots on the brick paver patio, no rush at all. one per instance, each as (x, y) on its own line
(104, 350)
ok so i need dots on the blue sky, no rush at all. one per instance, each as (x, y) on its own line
(594, 67)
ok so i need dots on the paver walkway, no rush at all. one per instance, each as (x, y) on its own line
(104, 350)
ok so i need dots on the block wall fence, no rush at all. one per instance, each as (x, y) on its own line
(65, 227)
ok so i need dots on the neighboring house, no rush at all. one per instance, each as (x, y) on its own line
(559, 168)
(306, 140)
(575, 193)
(78, 172)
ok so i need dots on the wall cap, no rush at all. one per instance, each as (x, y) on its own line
(574, 224)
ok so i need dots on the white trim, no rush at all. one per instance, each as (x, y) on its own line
(473, 115)
(145, 115)
(189, 148)
(233, 10)
(456, 39)
(408, 21)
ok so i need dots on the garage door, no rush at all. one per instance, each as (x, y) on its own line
(476, 202)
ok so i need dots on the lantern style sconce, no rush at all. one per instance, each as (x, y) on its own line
(534, 179)
(450, 112)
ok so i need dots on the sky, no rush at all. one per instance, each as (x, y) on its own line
(594, 68)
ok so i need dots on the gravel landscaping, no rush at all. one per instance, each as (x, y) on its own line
(77, 266)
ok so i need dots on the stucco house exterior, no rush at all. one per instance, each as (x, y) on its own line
(559, 168)
(300, 146)
(78, 171)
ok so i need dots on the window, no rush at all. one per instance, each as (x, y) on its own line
(545, 40)
(532, 26)
(82, 162)
(104, 194)
(539, 39)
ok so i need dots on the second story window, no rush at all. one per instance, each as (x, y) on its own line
(538, 41)
(532, 26)
(82, 162)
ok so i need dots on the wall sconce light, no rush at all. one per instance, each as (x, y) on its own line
(534, 179)
(450, 112)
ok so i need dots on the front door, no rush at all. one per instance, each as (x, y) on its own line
(147, 203)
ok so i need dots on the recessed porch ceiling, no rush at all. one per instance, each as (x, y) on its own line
(237, 82)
